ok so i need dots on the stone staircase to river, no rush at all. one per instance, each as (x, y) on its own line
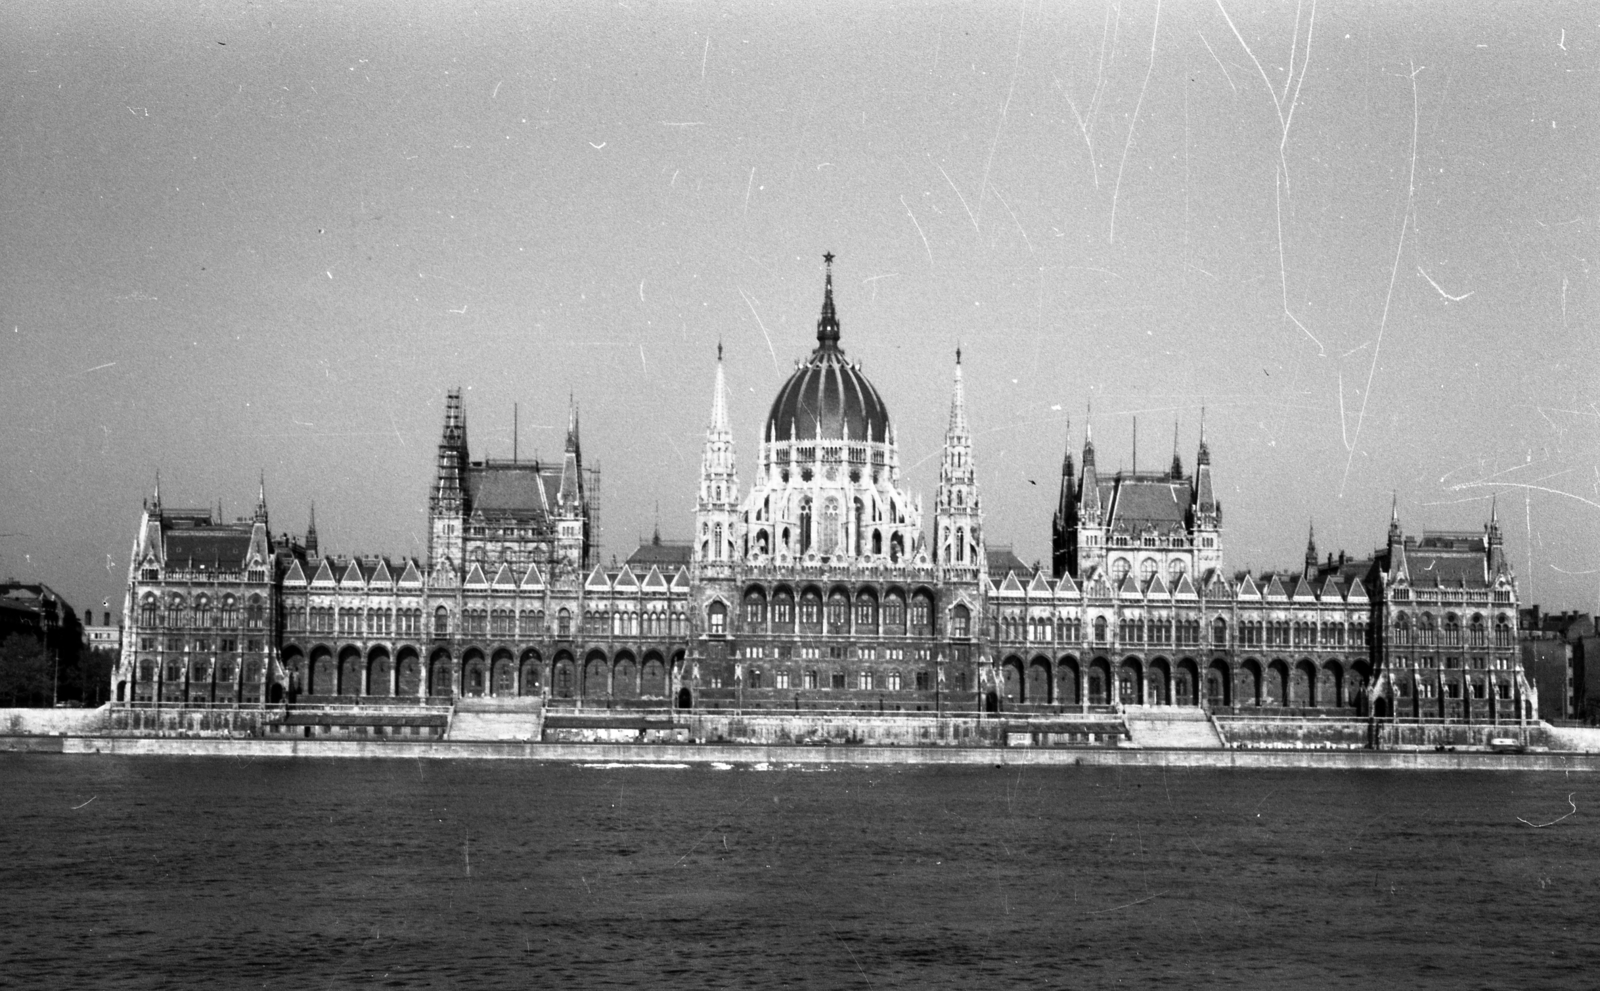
(497, 719)
(1170, 727)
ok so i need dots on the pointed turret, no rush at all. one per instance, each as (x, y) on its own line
(447, 505)
(261, 501)
(1176, 472)
(1064, 524)
(828, 322)
(1089, 533)
(958, 518)
(1311, 553)
(311, 532)
(1495, 541)
(1206, 513)
(719, 535)
(1398, 567)
(572, 518)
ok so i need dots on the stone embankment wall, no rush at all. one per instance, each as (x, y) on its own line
(599, 753)
(53, 722)
(880, 731)
(1293, 734)
(1429, 736)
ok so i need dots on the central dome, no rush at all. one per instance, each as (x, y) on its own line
(827, 397)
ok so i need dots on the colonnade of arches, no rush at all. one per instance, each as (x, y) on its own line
(479, 672)
(1187, 680)
(865, 611)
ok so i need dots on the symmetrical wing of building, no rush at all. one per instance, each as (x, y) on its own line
(820, 584)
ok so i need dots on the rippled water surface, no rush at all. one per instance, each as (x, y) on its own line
(210, 872)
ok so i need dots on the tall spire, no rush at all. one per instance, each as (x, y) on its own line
(155, 503)
(572, 425)
(828, 323)
(958, 400)
(311, 531)
(261, 500)
(1204, 457)
(1177, 462)
(1311, 551)
(719, 397)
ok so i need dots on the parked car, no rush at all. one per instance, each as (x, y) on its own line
(1506, 745)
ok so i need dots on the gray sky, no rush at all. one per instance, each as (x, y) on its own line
(269, 237)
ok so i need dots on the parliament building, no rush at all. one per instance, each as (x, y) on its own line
(817, 583)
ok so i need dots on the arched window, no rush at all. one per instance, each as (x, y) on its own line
(866, 613)
(1175, 569)
(1219, 632)
(1452, 630)
(1100, 629)
(1402, 630)
(717, 619)
(147, 613)
(960, 621)
(255, 613)
(1502, 631)
(1119, 569)
(202, 611)
(1147, 568)
(564, 623)
(1425, 630)
(1479, 637)
(229, 619)
(805, 525)
(441, 622)
(838, 613)
(755, 609)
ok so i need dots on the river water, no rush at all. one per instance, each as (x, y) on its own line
(215, 872)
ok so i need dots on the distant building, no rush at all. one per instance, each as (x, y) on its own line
(1558, 651)
(33, 609)
(104, 635)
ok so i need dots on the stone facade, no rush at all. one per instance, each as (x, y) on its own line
(816, 587)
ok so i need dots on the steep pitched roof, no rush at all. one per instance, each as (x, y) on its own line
(654, 582)
(1140, 501)
(504, 578)
(1040, 585)
(626, 579)
(412, 575)
(680, 581)
(324, 575)
(533, 578)
(666, 553)
(598, 580)
(296, 575)
(1066, 586)
(381, 575)
(518, 491)
(1185, 589)
(352, 575)
(475, 578)
(1002, 560)
(1011, 586)
(207, 547)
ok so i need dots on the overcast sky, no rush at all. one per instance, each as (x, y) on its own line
(268, 237)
